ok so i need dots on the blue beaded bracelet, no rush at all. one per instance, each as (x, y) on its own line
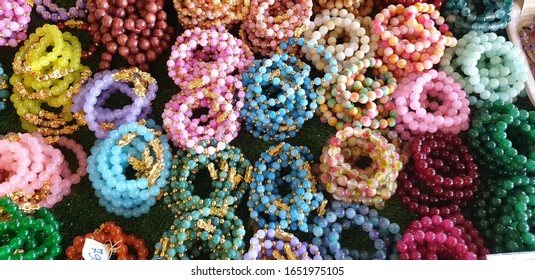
(461, 15)
(327, 231)
(267, 205)
(147, 151)
(4, 94)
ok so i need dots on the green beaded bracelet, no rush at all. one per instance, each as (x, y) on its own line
(24, 237)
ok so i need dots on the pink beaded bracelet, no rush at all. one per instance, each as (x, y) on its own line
(219, 123)
(14, 19)
(418, 113)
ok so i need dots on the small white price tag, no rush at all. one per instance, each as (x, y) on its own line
(526, 256)
(95, 251)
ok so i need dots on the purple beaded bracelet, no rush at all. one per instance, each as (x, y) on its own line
(134, 83)
(271, 244)
(51, 11)
(14, 19)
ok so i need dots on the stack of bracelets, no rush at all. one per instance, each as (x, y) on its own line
(357, 7)
(503, 214)
(136, 30)
(487, 66)
(141, 146)
(206, 14)
(413, 38)
(356, 100)
(433, 238)
(212, 229)
(406, 3)
(268, 205)
(51, 11)
(45, 78)
(269, 23)
(28, 237)
(271, 244)
(334, 26)
(339, 217)
(419, 111)
(80, 25)
(502, 140)
(119, 244)
(229, 172)
(440, 177)
(348, 182)
(139, 86)
(4, 93)
(14, 19)
(477, 15)
(35, 174)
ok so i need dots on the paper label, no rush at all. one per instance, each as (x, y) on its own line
(527, 12)
(512, 256)
(95, 251)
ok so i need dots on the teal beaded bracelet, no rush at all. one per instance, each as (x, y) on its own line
(502, 139)
(24, 237)
(461, 15)
(4, 94)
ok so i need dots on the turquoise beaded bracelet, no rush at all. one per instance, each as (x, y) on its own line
(461, 15)
(4, 94)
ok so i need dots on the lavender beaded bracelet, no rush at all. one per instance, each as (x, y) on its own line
(55, 13)
(134, 83)
(271, 244)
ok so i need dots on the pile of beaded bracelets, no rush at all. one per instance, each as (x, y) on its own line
(135, 30)
(356, 7)
(440, 178)
(275, 244)
(503, 214)
(417, 113)
(269, 23)
(143, 147)
(355, 100)
(14, 19)
(4, 94)
(477, 15)
(35, 174)
(52, 12)
(210, 13)
(28, 237)
(48, 78)
(501, 139)
(229, 171)
(487, 66)
(81, 25)
(433, 238)
(220, 56)
(346, 181)
(268, 206)
(185, 131)
(140, 86)
(406, 3)
(334, 26)
(413, 38)
(211, 230)
(112, 236)
(339, 217)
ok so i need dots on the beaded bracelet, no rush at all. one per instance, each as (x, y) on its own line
(268, 205)
(14, 19)
(417, 110)
(357, 7)
(141, 146)
(207, 14)
(339, 217)
(494, 136)
(406, 3)
(140, 86)
(332, 26)
(50, 11)
(433, 238)
(4, 93)
(487, 66)
(503, 214)
(269, 23)
(355, 100)
(413, 38)
(27, 237)
(346, 181)
(78, 24)
(119, 244)
(229, 171)
(271, 244)
(477, 15)
(213, 230)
